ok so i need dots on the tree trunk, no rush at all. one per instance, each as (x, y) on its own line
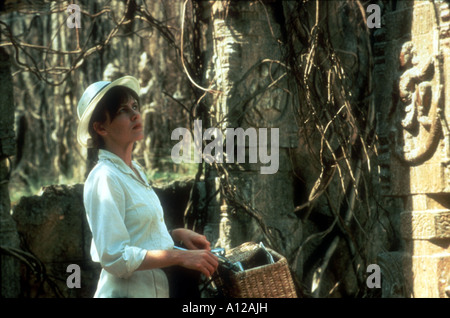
(10, 270)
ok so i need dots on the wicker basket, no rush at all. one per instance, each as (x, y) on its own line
(259, 278)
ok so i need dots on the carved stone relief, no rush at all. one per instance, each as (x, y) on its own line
(420, 98)
(419, 145)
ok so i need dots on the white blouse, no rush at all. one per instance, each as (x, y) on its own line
(126, 219)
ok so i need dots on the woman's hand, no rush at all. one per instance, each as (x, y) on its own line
(191, 240)
(201, 260)
(199, 256)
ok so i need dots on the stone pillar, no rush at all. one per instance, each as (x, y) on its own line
(415, 68)
(245, 63)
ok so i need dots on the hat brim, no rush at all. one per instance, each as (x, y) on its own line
(83, 135)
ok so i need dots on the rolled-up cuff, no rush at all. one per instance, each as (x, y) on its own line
(132, 258)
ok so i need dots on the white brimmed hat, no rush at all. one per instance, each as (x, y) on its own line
(91, 96)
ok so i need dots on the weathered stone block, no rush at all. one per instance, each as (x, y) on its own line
(425, 225)
(54, 229)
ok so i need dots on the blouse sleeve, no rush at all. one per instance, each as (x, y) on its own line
(104, 201)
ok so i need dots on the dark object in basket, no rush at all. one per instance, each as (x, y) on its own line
(259, 279)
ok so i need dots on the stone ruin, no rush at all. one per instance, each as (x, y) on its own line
(411, 73)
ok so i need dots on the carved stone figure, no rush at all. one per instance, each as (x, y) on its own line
(412, 83)
(421, 122)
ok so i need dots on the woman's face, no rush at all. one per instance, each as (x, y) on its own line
(125, 128)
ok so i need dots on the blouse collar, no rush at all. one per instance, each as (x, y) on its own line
(121, 165)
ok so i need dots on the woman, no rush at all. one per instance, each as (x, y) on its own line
(130, 238)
